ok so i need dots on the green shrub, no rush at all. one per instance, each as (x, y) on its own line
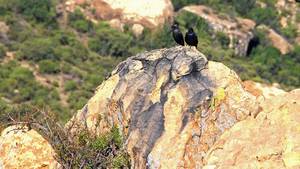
(3, 51)
(290, 31)
(40, 11)
(73, 147)
(48, 66)
(110, 42)
(70, 85)
(82, 25)
(55, 83)
(55, 95)
(222, 38)
(22, 75)
(66, 67)
(38, 49)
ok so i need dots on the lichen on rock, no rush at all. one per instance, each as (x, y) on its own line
(163, 101)
(23, 148)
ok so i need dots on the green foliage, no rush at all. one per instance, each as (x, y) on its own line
(55, 95)
(222, 38)
(55, 83)
(290, 31)
(70, 85)
(66, 67)
(38, 49)
(41, 11)
(78, 21)
(267, 16)
(75, 145)
(109, 41)
(3, 51)
(48, 66)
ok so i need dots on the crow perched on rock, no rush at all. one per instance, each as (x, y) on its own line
(191, 38)
(177, 35)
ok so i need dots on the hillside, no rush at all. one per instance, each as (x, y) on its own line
(58, 53)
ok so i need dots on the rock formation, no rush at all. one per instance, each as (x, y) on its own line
(178, 110)
(173, 105)
(144, 13)
(277, 41)
(233, 27)
(262, 89)
(20, 148)
(271, 140)
(238, 28)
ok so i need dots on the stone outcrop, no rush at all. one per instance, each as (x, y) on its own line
(20, 148)
(271, 140)
(144, 13)
(291, 16)
(173, 105)
(262, 89)
(234, 27)
(238, 28)
(278, 41)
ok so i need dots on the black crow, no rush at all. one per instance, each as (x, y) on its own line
(191, 38)
(177, 35)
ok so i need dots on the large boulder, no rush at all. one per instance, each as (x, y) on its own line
(142, 13)
(173, 104)
(23, 148)
(271, 140)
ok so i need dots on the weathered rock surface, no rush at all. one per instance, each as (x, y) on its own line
(279, 42)
(262, 89)
(145, 13)
(271, 140)
(20, 148)
(173, 105)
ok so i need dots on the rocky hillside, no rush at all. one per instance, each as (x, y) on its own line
(179, 110)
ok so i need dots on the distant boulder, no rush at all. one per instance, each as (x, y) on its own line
(144, 13)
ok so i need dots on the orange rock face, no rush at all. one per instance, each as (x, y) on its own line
(261, 89)
(20, 148)
(271, 140)
(173, 105)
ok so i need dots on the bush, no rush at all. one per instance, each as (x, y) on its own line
(66, 67)
(48, 66)
(22, 75)
(222, 38)
(55, 83)
(290, 31)
(75, 145)
(82, 25)
(3, 51)
(40, 11)
(55, 95)
(70, 85)
(110, 42)
(38, 49)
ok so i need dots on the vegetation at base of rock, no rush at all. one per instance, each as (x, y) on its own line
(76, 146)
